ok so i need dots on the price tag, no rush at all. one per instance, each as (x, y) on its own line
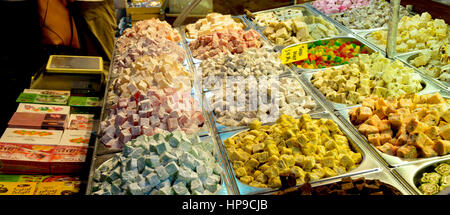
(294, 53)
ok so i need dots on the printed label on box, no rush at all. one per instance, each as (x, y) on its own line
(81, 122)
(31, 136)
(37, 108)
(17, 188)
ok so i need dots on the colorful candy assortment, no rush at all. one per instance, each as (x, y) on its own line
(338, 6)
(323, 54)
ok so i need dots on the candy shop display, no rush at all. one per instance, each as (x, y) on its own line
(291, 99)
(435, 181)
(374, 15)
(211, 23)
(299, 29)
(367, 75)
(310, 149)
(417, 32)
(409, 126)
(328, 53)
(224, 41)
(432, 60)
(338, 6)
(168, 163)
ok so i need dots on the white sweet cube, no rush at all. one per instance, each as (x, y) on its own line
(135, 189)
(180, 189)
(187, 160)
(152, 179)
(127, 149)
(131, 164)
(167, 157)
(162, 173)
(137, 152)
(140, 163)
(210, 185)
(129, 176)
(147, 170)
(171, 168)
(161, 147)
(197, 185)
(152, 161)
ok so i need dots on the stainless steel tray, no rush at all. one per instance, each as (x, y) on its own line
(102, 160)
(307, 76)
(411, 174)
(389, 160)
(406, 59)
(368, 163)
(223, 128)
(307, 12)
(366, 47)
(383, 176)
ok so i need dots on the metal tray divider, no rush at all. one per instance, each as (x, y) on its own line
(102, 113)
(230, 181)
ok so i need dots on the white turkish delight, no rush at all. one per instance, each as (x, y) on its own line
(140, 163)
(152, 179)
(129, 176)
(152, 161)
(147, 170)
(187, 160)
(171, 168)
(201, 171)
(180, 189)
(131, 104)
(135, 189)
(167, 157)
(127, 149)
(144, 114)
(162, 173)
(115, 174)
(210, 185)
(197, 185)
(184, 174)
(131, 164)
(167, 190)
(161, 147)
(115, 190)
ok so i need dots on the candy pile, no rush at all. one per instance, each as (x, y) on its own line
(150, 113)
(415, 33)
(337, 6)
(264, 19)
(375, 15)
(148, 37)
(162, 164)
(291, 100)
(366, 75)
(328, 53)
(299, 29)
(310, 149)
(253, 62)
(224, 41)
(433, 182)
(432, 60)
(211, 23)
(409, 126)
(163, 72)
